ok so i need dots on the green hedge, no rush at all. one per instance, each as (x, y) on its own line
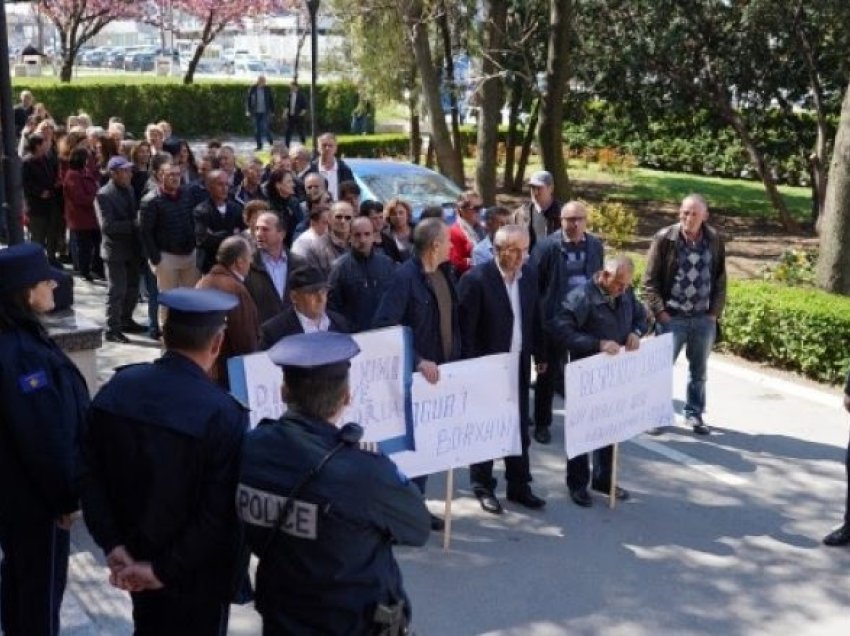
(801, 329)
(373, 146)
(196, 110)
(796, 328)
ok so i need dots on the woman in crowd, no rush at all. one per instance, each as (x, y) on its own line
(280, 190)
(80, 187)
(44, 400)
(140, 155)
(188, 166)
(397, 214)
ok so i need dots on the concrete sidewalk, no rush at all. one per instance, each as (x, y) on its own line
(722, 535)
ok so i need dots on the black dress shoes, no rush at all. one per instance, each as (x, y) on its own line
(527, 498)
(116, 336)
(437, 524)
(621, 493)
(542, 434)
(133, 327)
(840, 536)
(489, 502)
(581, 498)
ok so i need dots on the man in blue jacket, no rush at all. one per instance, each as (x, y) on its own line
(602, 315)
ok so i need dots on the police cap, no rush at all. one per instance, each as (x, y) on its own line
(25, 265)
(197, 307)
(322, 353)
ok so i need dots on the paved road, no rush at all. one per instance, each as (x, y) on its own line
(722, 536)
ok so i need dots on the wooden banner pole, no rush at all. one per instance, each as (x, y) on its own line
(450, 487)
(612, 494)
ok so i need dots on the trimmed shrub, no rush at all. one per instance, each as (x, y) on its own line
(613, 222)
(373, 146)
(196, 110)
(805, 330)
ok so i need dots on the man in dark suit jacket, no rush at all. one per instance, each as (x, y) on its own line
(334, 170)
(215, 219)
(296, 110)
(500, 313)
(308, 291)
(270, 267)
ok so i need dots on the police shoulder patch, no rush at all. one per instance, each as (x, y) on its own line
(34, 381)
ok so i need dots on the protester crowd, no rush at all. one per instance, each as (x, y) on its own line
(289, 249)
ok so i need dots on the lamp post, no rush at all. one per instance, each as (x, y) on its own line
(10, 174)
(313, 8)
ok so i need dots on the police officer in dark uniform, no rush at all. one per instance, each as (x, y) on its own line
(321, 514)
(43, 401)
(841, 535)
(162, 455)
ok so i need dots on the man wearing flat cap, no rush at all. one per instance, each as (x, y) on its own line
(321, 514)
(308, 313)
(161, 458)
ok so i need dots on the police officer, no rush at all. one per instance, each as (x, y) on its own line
(162, 455)
(43, 400)
(841, 535)
(326, 560)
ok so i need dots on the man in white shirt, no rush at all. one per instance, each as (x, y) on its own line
(500, 313)
(334, 170)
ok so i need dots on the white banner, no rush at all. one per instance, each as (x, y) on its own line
(471, 415)
(380, 380)
(610, 399)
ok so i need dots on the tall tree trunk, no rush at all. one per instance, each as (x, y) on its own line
(415, 149)
(449, 162)
(734, 119)
(552, 100)
(510, 142)
(67, 70)
(492, 94)
(526, 147)
(301, 40)
(193, 64)
(449, 65)
(833, 267)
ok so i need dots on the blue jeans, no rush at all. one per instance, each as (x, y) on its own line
(696, 334)
(261, 129)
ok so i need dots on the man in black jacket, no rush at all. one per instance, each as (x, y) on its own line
(259, 104)
(161, 461)
(359, 277)
(296, 110)
(334, 170)
(308, 312)
(168, 233)
(500, 313)
(120, 249)
(44, 209)
(215, 219)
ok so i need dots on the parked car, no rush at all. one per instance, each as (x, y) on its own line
(382, 180)
(140, 61)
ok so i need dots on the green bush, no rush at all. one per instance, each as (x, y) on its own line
(802, 329)
(196, 110)
(613, 222)
(696, 142)
(373, 146)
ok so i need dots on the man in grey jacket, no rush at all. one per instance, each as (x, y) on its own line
(117, 212)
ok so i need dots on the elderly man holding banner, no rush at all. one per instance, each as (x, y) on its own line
(602, 315)
(500, 313)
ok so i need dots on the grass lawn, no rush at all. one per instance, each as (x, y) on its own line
(734, 196)
(130, 78)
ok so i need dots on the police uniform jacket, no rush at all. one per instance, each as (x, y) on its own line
(333, 562)
(44, 400)
(161, 455)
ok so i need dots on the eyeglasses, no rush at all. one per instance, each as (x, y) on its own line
(473, 208)
(340, 217)
(573, 219)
